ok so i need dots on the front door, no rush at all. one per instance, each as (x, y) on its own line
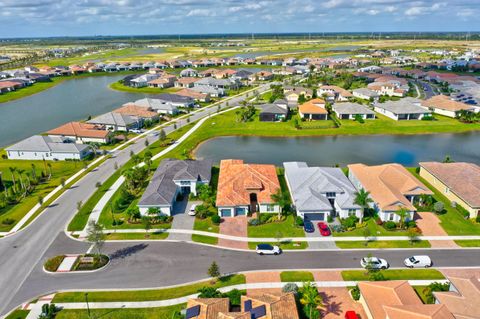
(253, 203)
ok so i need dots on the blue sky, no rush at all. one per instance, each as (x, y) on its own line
(25, 18)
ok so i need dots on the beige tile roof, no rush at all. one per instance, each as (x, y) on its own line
(210, 307)
(79, 129)
(461, 178)
(443, 102)
(278, 306)
(134, 110)
(193, 94)
(388, 185)
(238, 180)
(418, 312)
(465, 303)
(187, 80)
(337, 89)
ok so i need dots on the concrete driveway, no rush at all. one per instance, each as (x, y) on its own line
(319, 244)
(181, 219)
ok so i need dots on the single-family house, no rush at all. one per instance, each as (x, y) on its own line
(391, 188)
(188, 73)
(320, 192)
(459, 182)
(404, 109)
(261, 76)
(396, 299)
(350, 111)
(174, 177)
(39, 147)
(197, 96)
(273, 112)
(224, 73)
(82, 133)
(186, 82)
(462, 298)
(210, 90)
(142, 80)
(242, 75)
(444, 105)
(176, 100)
(339, 94)
(137, 112)
(293, 92)
(165, 81)
(365, 94)
(218, 83)
(246, 188)
(113, 121)
(157, 105)
(313, 110)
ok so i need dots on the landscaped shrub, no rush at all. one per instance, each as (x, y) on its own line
(434, 286)
(337, 228)
(234, 296)
(329, 219)
(477, 219)
(254, 222)
(378, 221)
(411, 224)
(439, 207)
(8, 221)
(355, 291)
(390, 225)
(290, 287)
(359, 119)
(53, 263)
(266, 218)
(299, 221)
(216, 219)
(349, 222)
(209, 292)
(463, 211)
(201, 211)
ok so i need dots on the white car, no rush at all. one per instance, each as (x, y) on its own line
(418, 261)
(267, 249)
(374, 263)
(192, 211)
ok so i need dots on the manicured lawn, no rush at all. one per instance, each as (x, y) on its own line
(18, 314)
(420, 292)
(137, 236)
(382, 244)
(284, 245)
(147, 295)
(394, 274)
(205, 239)
(452, 221)
(60, 169)
(468, 243)
(206, 225)
(296, 276)
(122, 313)
(375, 230)
(287, 228)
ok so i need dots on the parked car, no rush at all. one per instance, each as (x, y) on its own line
(192, 211)
(374, 262)
(418, 261)
(267, 249)
(350, 314)
(308, 226)
(324, 229)
(137, 131)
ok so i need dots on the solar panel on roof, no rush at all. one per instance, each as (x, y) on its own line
(258, 312)
(192, 312)
(247, 305)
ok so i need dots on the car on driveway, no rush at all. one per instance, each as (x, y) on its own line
(192, 211)
(418, 261)
(374, 263)
(267, 249)
(308, 226)
(324, 229)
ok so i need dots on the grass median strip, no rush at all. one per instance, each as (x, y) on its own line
(296, 276)
(285, 245)
(137, 236)
(148, 295)
(122, 313)
(394, 274)
(468, 243)
(205, 239)
(382, 244)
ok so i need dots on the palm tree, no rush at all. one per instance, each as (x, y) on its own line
(403, 213)
(12, 171)
(22, 185)
(362, 199)
(310, 297)
(49, 170)
(281, 199)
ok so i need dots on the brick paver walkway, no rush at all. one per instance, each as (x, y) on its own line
(337, 301)
(430, 226)
(262, 276)
(327, 275)
(234, 226)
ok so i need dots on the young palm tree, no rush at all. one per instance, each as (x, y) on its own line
(281, 199)
(12, 171)
(310, 297)
(403, 213)
(362, 199)
(49, 170)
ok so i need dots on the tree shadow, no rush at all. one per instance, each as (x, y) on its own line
(330, 305)
(127, 251)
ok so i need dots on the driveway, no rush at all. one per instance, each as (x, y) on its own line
(181, 220)
(430, 226)
(337, 301)
(233, 226)
(319, 244)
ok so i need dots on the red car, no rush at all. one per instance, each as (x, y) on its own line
(324, 230)
(351, 315)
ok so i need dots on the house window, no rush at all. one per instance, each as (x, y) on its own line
(447, 190)
(351, 212)
(391, 217)
(270, 208)
(330, 194)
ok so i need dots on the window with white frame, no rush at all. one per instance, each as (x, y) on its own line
(270, 208)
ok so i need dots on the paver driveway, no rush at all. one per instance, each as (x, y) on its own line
(430, 226)
(233, 226)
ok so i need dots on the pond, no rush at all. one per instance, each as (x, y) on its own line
(71, 100)
(407, 150)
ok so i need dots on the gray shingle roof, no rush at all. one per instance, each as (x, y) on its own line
(173, 98)
(39, 143)
(365, 91)
(308, 186)
(162, 188)
(111, 118)
(351, 108)
(406, 105)
(273, 109)
(155, 104)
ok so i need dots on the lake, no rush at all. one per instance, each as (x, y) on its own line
(407, 150)
(71, 100)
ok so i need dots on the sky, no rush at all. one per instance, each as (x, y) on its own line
(43, 18)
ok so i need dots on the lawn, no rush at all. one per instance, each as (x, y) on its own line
(30, 90)
(286, 228)
(205, 239)
(452, 221)
(152, 235)
(60, 169)
(296, 276)
(148, 294)
(468, 243)
(122, 313)
(284, 245)
(394, 274)
(206, 225)
(18, 314)
(382, 244)
(420, 292)
(375, 230)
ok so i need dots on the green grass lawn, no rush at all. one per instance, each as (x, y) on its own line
(394, 274)
(452, 221)
(205, 239)
(468, 243)
(152, 235)
(382, 244)
(18, 314)
(287, 228)
(420, 292)
(122, 313)
(30, 90)
(375, 230)
(284, 245)
(205, 225)
(296, 276)
(149, 294)
(60, 169)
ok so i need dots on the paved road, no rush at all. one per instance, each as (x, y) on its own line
(154, 264)
(22, 251)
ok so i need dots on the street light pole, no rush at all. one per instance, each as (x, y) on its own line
(88, 307)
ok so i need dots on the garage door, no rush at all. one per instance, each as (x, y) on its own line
(316, 216)
(226, 213)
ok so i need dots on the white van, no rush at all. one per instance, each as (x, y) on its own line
(418, 261)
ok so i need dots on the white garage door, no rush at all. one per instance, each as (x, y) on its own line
(316, 216)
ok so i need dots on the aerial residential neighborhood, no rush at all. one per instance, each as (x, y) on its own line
(240, 160)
